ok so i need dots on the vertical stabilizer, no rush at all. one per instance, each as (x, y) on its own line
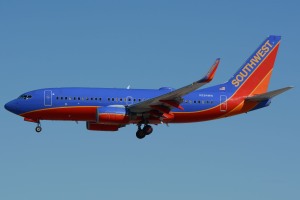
(254, 75)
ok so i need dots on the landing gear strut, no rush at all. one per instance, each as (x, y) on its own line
(142, 132)
(38, 128)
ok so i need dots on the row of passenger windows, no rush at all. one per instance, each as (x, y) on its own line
(98, 99)
(125, 99)
(199, 102)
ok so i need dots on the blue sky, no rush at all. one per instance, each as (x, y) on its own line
(147, 44)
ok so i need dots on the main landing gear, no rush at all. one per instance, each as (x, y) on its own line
(38, 128)
(142, 132)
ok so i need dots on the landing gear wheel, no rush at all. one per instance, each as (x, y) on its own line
(140, 134)
(38, 129)
(147, 129)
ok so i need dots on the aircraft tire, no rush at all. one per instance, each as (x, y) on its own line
(38, 129)
(140, 134)
(147, 130)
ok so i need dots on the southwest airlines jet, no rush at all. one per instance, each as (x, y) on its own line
(107, 109)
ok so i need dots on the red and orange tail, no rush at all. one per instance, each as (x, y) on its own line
(255, 74)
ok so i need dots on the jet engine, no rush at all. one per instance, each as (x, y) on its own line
(112, 115)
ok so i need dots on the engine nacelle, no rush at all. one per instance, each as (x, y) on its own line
(101, 127)
(112, 115)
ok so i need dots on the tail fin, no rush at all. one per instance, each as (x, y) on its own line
(255, 74)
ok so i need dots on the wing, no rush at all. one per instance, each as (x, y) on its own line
(161, 105)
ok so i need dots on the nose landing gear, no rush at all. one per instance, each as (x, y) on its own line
(38, 128)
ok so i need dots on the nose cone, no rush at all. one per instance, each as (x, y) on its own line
(11, 107)
(8, 106)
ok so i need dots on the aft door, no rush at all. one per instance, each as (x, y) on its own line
(48, 98)
(223, 103)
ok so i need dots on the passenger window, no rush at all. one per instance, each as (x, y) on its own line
(57, 98)
(100, 99)
(92, 98)
(66, 98)
(96, 99)
(108, 99)
(112, 99)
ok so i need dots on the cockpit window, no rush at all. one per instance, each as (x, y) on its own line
(25, 96)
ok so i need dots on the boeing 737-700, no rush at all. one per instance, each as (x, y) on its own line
(107, 109)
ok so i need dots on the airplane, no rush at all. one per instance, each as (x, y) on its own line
(108, 109)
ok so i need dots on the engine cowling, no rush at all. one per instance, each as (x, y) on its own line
(112, 115)
(101, 127)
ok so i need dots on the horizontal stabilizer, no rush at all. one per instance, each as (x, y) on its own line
(267, 95)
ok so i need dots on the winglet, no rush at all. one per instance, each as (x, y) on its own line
(211, 73)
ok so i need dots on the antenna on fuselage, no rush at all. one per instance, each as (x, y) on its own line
(128, 87)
